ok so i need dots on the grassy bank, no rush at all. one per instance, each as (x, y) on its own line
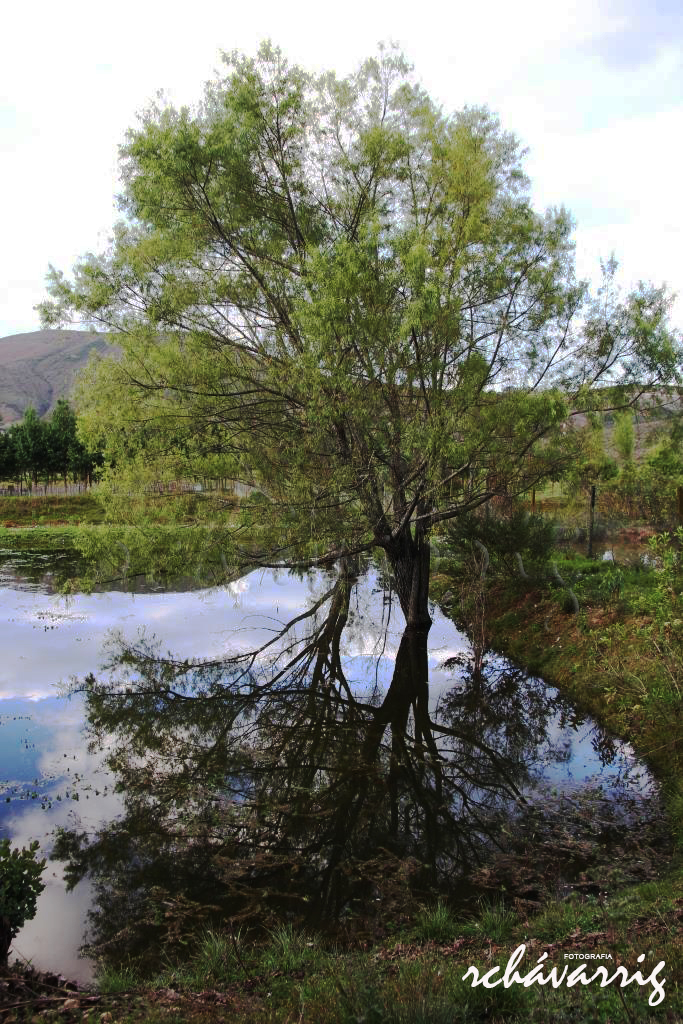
(49, 511)
(415, 977)
(45, 523)
(620, 657)
(48, 523)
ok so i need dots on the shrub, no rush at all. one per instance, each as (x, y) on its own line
(504, 537)
(20, 886)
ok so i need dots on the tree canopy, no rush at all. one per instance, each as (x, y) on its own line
(44, 449)
(332, 291)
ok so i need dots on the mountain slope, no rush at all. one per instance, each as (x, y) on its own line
(39, 367)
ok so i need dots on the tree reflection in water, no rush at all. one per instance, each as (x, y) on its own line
(267, 785)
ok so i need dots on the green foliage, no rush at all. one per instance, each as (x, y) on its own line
(611, 584)
(44, 449)
(666, 549)
(419, 996)
(333, 292)
(35, 509)
(624, 436)
(30, 442)
(666, 461)
(530, 536)
(214, 957)
(112, 981)
(217, 959)
(497, 921)
(288, 949)
(20, 886)
(592, 464)
(436, 923)
(8, 456)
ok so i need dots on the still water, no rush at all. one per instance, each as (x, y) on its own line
(482, 748)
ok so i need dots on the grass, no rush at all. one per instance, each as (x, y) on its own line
(620, 658)
(48, 523)
(45, 523)
(436, 923)
(418, 977)
(614, 658)
(497, 921)
(51, 510)
(111, 982)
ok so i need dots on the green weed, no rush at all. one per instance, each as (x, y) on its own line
(289, 950)
(111, 981)
(497, 921)
(436, 923)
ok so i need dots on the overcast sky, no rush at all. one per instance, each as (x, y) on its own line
(594, 90)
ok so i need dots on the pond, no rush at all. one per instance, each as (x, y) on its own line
(287, 742)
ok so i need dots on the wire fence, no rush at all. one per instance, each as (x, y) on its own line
(44, 490)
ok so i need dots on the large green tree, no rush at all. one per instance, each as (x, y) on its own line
(334, 292)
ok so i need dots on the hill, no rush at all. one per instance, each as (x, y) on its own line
(39, 367)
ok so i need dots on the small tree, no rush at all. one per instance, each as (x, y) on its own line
(30, 444)
(8, 456)
(592, 465)
(62, 440)
(20, 886)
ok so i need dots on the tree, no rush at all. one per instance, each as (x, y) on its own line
(66, 452)
(8, 456)
(593, 465)
(331, 291)
(30, 444)
(62, 440)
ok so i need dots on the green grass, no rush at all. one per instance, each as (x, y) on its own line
(50, 538)
(45, 523)
(113, 981)
(417, 978)
(497, 921)
(50, 510)
(436, 923)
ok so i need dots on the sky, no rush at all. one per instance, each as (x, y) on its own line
(594, 90)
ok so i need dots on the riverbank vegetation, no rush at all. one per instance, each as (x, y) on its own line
(413, 976)
(608, 631)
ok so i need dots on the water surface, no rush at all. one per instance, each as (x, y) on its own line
(412, 754)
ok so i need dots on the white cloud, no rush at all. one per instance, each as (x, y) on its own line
(595, 92)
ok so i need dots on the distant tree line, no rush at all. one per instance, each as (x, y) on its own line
(38, 450)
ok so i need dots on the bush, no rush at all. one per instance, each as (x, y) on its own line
(20, 886)
(504, 537)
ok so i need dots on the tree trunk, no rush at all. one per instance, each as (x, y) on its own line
(409, 559)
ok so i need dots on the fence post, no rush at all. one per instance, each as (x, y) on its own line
(533, 501)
